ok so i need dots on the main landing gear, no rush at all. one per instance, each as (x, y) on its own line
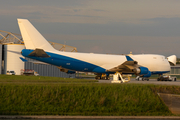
(117, 77)
(102, 77)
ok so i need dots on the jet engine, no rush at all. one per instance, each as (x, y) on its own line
(142, 71)
(147, 75)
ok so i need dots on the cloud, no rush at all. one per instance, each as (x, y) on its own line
(54, 14)
(96, 49)
(120, 26)
(120, 44)
(94, 11)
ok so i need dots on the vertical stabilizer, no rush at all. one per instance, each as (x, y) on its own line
(31, 37)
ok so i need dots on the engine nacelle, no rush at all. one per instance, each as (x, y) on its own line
(147, 75)
(142, 71)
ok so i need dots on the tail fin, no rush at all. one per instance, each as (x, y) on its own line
(32, 38)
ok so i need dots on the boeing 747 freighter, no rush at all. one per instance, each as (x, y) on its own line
(38, 48)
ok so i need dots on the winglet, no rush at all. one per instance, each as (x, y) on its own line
(24, 60)
(129, 58)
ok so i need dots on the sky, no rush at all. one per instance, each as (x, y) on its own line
(101, 26)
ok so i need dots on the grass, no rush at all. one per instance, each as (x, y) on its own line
(18, 79)
(29, 95)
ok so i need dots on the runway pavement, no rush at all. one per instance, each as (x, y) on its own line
(151, 81)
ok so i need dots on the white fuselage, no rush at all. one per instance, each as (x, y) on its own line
(155, 63)
(87, 62)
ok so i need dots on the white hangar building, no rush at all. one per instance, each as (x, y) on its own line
(11, 46)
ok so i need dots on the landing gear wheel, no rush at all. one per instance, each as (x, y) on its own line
(107, 78)
(98, 77)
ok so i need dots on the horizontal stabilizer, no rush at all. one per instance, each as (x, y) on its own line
(39, 53)
(34, 62)
(24, 60)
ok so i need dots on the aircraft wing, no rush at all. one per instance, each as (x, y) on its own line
(128, 66)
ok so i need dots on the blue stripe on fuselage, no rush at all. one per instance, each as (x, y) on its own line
(66, 62)
(72, 63)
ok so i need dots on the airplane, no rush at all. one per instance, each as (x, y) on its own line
(38, 48)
